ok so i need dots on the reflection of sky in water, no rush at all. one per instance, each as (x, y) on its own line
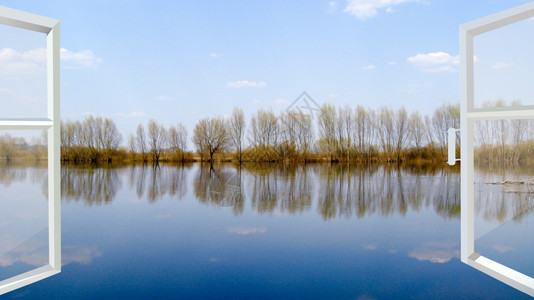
(511, 243)
(173, 232)
(505, 231)
(23, 217)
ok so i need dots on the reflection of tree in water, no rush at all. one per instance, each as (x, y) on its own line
(341, 190)
(17, 172)
(285, 187)
(178, 181)
(345, 191)
(137, 179)
(158, 181)
(501, 203)
(496, 201)
(94, 186)
(10, 174)
(444, 190)
(264, 195)
(220, 186)
(295, 189)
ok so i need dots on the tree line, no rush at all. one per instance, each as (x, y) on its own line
(91, 140)
(504, 141)
(334, 134)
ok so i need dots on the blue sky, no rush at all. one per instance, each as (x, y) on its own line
(184, 60)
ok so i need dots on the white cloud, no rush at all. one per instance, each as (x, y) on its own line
(392, 63)
(333, 96)
(256, 101)
(163, 98)
(4, 91)
(33, 252)
(433, 58)
(246, 83)
(215, 55)
(435, 62)
(367, 9)
(14, 63)
(332, 7)
(369, 247)
(369, 68)
(79, 254)
(503, 248)
(84, 59)
(436, 252)
(501, 65)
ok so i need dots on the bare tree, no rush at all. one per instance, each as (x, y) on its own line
(237, 131)
(345, 127)
(210, 136)
(445, 117)
(140, 139)
(264, 134)
(182, 138)
(288, 135)
(157, 138)
(178, 139)
(109, 137)
(327, 129)
(429, 132)
(363, 133)
(7, 146)
(401, 131)
(518, 127)
(131, 143)
(305, 134)
(417, 130)
(385, 128)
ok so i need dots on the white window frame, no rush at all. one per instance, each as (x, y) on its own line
(50, 27)
(469, 114)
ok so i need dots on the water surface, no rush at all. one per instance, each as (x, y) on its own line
(264, 231)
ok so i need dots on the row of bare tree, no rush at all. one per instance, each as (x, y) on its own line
(93, 139)
(330, 134)
(334, 134)
(157, 140)
(16, 147)
(506, 140)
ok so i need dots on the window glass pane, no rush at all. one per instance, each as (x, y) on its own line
(23, 202)
(504, 192)
(22, 73)
(504, 66)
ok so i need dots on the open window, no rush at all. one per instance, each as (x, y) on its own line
(473, 111)
(50, 124)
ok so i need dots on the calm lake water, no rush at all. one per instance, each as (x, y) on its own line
(263, 232)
